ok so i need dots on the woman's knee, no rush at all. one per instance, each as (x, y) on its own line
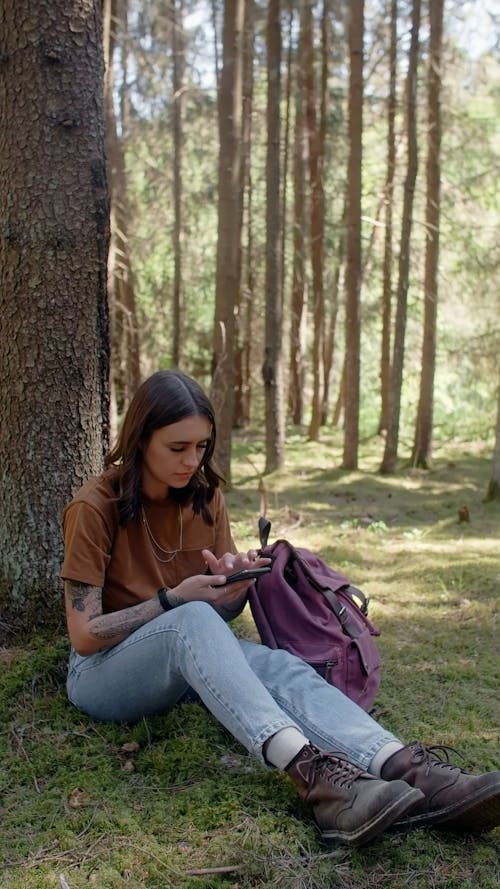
(192, 615)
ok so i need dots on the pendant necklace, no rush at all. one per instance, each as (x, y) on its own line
(157, 550)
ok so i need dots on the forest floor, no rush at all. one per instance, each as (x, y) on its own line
(175, 802)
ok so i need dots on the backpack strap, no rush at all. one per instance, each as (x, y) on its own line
(338, 608)
(264, 531)
(341, 613)
(356, 593)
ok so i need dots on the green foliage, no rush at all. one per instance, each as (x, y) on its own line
(175, 801)
(468, 335)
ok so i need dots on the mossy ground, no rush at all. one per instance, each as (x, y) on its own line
(175, 802)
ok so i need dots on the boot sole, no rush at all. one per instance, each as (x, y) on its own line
(380, 822)
(477, 814)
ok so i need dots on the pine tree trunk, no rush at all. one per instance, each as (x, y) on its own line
(422, 448)
(272, 368)
(493, 491)
(54, 358)
(385, 358)
(124, 327)
(229, 234)
(243, 343)
(391, 444)
(296, 378)
(353, 244)
(332, 322)
(315, 133)
(177, 13)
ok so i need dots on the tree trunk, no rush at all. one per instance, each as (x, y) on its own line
(493, 491)
(243, 344)
(177, 12)
(329, 307)
(315, 134)
(296, 380)
(287, 102)
(353, 245)
(385, 359)
(332, 322)
(391, 444)
(422, 447)
(125, 350)
(54, 356)
(229, 229)
(272, 368)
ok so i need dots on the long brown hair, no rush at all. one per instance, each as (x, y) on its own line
(164, 398)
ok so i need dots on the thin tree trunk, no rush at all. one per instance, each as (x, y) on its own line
(493, 491)
(215, 25)
(391, 444)
(297, 302)
(332, 325)
(272, 368)
(177, 13)
(229, 232)
(316, 151)
(385, 358)
(327, 337)
(353, 247)
(422, 447)
(125, 348)
(243, 344)
(286, 153)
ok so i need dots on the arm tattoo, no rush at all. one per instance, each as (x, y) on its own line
(80, 593)
(174, 600)
(121, 623)
(88, 599)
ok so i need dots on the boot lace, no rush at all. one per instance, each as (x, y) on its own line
(333, 767)
(435, 756)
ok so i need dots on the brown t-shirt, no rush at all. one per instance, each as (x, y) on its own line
(121, 560)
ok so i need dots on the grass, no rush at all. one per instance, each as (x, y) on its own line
(175, 802)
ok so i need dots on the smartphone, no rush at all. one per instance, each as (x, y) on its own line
(247, 574)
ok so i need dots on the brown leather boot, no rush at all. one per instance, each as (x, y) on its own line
(349, 805)
(452, 798)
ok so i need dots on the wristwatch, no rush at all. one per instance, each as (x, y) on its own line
(163, 598)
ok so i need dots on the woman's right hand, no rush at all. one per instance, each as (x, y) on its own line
(209, 588)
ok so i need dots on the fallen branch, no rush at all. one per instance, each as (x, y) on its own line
(203, 871)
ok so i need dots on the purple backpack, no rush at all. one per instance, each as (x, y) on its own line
(305, 607)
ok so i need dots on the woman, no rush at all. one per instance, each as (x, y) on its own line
(148, 549)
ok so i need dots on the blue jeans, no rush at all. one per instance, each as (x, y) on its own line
(249, 688)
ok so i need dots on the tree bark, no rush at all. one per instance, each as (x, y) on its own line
(385, 358)
(332, 321)
(422, 447)
(246, 292)
(54, 356)
(391, 444)
(316, 134)
(177, 12)
(272, 368)
(493, 491)
(124, 326)
(353, 245)
(296, 377)
(229, 229)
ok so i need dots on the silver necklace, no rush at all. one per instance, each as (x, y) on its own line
(156, 548)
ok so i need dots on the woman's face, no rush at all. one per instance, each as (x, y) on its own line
(173, 454)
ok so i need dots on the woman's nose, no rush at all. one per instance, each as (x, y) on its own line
(191, 458)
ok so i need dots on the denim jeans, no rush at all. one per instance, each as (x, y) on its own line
(252, 690)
